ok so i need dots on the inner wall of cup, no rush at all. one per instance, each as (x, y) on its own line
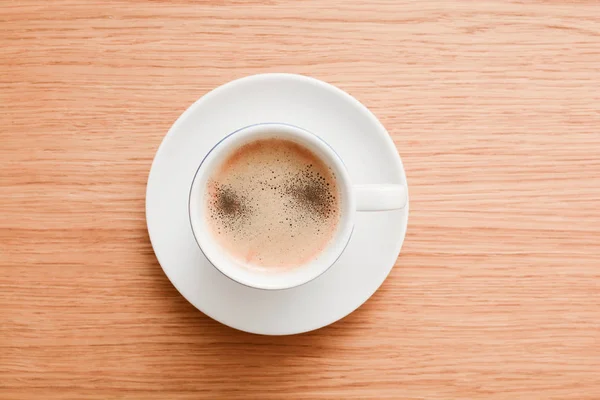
(237, 269)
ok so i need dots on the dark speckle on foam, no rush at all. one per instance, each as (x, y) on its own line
(311, 194)
(228, 206)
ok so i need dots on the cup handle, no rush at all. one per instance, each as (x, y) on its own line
(380, 197)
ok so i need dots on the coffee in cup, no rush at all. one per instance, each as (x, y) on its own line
(272, 204)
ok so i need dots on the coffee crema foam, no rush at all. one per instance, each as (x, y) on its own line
(273, 204)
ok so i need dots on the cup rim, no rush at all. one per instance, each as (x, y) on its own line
(345, 227)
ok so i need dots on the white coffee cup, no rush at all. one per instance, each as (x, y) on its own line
(353, 198)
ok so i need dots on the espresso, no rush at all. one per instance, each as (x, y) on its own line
(273, 204)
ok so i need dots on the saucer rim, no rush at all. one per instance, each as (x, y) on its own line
(231, 85)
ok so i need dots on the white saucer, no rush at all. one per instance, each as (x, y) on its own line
(355, 134)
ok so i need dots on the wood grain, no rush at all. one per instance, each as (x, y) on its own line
(493, 105)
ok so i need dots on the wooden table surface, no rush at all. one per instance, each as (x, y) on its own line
(494, 107)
